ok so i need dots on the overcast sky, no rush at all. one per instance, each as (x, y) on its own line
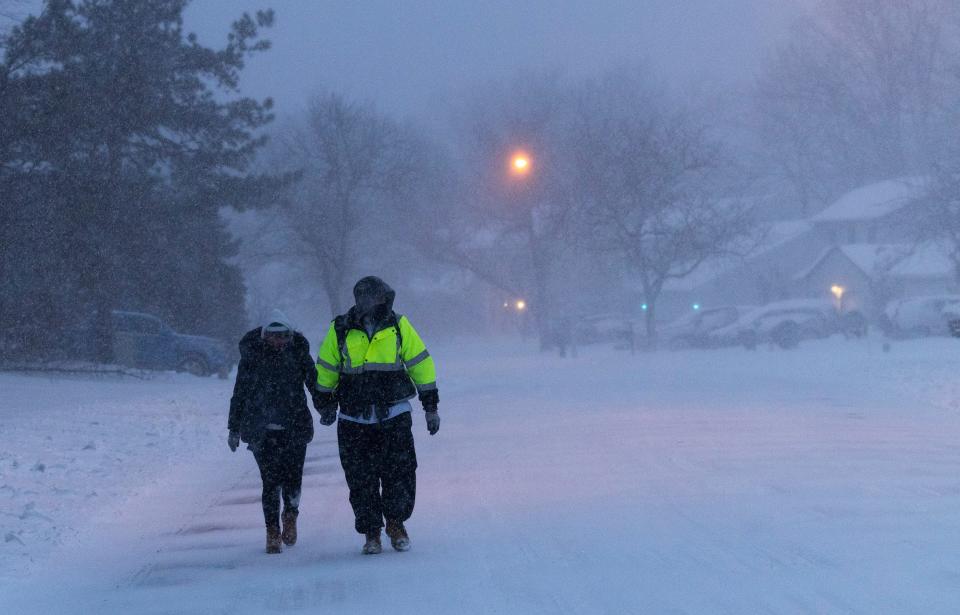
(410, 56)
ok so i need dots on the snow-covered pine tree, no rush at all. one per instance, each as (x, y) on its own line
(121, 137)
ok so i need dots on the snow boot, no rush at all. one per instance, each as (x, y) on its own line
(398, 535)
(372, 546)
(273, 541)
(289, 534)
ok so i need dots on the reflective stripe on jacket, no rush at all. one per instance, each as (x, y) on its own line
(371, 373)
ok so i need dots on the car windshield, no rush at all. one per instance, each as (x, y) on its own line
(952, 305)
(802, 315)
(720, 317)
(135, 323)
(687, 320)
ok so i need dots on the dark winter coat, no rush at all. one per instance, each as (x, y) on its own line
(270, 388)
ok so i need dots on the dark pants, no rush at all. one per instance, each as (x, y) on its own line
(280, 458)
(380, 465)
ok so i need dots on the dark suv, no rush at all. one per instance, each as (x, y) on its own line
(146, 342)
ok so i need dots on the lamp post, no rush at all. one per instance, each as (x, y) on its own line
(520, 167)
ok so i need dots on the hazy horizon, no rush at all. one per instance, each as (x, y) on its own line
(411, 58)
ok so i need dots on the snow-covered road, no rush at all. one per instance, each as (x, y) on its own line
(817, 481)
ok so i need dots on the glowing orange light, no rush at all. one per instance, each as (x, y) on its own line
(520, 163)
(837, 291)
(521, 305)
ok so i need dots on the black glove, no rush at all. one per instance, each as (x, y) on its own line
(326, 405)
(233, 441)
(328, 415)
(433, 420)
(430, 399)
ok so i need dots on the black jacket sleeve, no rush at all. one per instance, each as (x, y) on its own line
(430, 399)
(309, 368)
(241, 392)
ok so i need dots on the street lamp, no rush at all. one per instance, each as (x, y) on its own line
(520, 164)
(521, 305)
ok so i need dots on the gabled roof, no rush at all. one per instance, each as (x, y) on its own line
(874, 200)
(877, 258)
(891, 260)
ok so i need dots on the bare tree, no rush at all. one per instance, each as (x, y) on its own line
(521, 218)
(856, 92)
(455, 230)
(12, 12)
(354, 173)
(940, 213)
(653, 186)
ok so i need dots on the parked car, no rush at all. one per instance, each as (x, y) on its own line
(922, 316)
(601, 328)
(146, 342)
(694, 329)
(786, 324)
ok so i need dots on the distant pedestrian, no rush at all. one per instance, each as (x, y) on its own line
(371, 363)
(631, 335)
(563, 334)
(269, 412)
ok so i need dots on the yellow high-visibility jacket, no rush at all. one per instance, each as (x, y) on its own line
(370, 374)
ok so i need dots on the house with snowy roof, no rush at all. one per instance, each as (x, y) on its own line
(867, 276)
(874, 254)
(883, 212)
(763, 275)
(863, 247)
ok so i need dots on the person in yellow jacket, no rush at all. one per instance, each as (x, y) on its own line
(372, 363)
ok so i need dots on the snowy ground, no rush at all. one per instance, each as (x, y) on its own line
(823, 480)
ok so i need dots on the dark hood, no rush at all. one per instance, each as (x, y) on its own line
(373, 297)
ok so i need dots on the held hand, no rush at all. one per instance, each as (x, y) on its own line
(233, 441)
(326, 406)
(328, 415)
(433, 421)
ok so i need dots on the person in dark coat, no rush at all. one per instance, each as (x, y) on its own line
(269, 412)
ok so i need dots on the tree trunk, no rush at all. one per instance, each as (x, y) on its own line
(651, 323)
(540, 308)
(335, 305)
(651, 292)
(332, 286)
